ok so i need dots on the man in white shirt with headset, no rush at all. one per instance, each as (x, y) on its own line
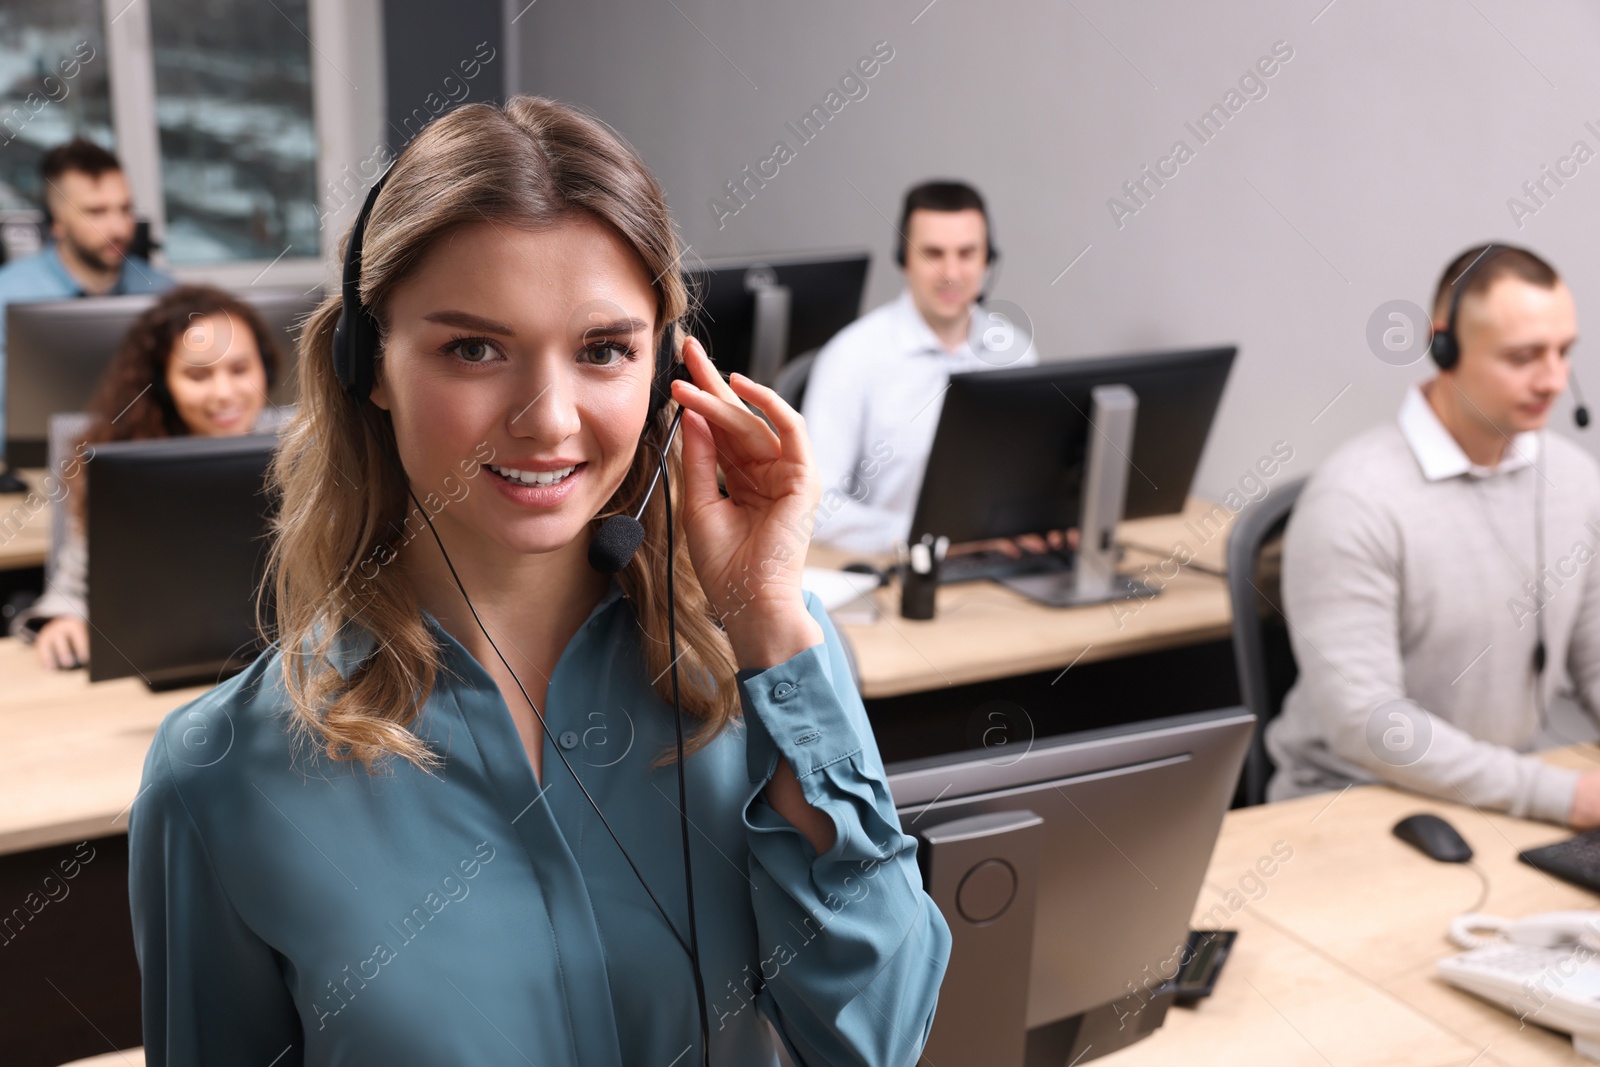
(875, 392)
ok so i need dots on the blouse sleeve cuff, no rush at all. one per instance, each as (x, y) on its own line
(793, 710)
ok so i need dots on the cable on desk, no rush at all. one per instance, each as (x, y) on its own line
(1483, 897)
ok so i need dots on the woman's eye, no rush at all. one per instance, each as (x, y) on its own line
(473, 350)
(599, 354)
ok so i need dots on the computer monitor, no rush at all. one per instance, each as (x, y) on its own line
(1068, 873)
(56, 351)
(754, 315)
(1009, 454)
(177, 546)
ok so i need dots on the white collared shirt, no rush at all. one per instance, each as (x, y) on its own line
(872, 405)
(1440, 455)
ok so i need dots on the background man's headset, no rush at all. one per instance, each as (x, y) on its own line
(1445, 348)
(355, 350)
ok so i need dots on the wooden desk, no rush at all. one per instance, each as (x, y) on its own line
(1336, 951)
(24, 529)
(71, 753)
(983, 631)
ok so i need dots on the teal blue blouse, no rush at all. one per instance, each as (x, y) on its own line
(290, 909)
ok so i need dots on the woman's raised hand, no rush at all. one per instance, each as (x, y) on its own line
(749, 547)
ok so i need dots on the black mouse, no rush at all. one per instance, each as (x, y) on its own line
(1434, 838)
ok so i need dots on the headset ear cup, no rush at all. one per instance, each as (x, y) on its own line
(340, 348)
(661, 380)
(355, 335)
(1443, 349)
(354, 354)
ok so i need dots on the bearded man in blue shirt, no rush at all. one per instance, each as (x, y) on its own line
(90, 208)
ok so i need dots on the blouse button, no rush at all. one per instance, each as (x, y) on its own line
(568, 739)
(782, 690)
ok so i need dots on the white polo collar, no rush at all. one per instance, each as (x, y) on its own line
(1438, 453)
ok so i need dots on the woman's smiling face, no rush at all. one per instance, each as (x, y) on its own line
(535, 344)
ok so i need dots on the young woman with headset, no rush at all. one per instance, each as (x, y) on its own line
(456, 815)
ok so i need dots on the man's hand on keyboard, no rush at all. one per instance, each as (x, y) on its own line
(1017, 547)
(1586, 802)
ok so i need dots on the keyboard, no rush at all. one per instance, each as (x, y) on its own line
(991, 565)
(1575, 860)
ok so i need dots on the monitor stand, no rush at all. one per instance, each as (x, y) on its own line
(1094, 578)
(769, 336)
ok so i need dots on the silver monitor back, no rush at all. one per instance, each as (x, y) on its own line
(57, 350)
(1130, 815)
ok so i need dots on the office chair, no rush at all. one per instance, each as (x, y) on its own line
(1261, 649)
(793, 376)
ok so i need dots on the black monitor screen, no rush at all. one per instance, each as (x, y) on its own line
(824, 292)
(1008, 457)
(177, 547)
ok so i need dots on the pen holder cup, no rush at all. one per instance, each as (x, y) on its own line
(917, 591)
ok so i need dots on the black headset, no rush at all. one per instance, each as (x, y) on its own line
(1445, 346)
(355, 336)
(612, 547)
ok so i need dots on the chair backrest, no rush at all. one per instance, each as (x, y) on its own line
(793, 376)
(1260, 634)
(61, 434)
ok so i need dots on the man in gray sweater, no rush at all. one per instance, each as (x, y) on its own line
(1440, 571)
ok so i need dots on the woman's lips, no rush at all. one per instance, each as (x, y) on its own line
(538, 496)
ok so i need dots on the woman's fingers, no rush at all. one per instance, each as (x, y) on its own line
(741, 428)
(786, 420)
(699, 462)
(704, 372)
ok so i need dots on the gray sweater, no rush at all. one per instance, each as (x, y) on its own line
(1412, 618)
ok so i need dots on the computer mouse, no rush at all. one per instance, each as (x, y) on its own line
(1434, 838)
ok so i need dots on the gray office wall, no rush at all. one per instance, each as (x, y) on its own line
(1387, 138)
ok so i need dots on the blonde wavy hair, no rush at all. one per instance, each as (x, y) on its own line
(342, 494)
